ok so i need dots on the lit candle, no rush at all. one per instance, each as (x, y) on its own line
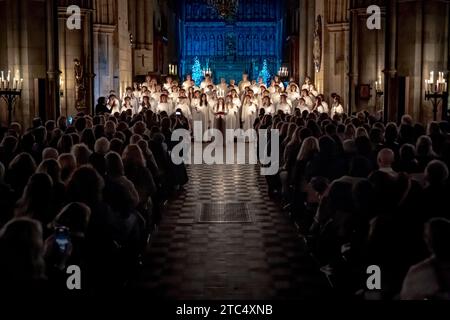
(8, 79)
(3, 77)
(432, 77)
(21, 84)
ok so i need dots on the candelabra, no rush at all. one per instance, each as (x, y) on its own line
(173, 69)
(283, 72)
(437, 93)
(207, 72)
(10, 91)
(221, 93)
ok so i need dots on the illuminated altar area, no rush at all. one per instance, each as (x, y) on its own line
(230, 48)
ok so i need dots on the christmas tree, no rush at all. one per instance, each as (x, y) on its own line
(197, 72)
(265, 73)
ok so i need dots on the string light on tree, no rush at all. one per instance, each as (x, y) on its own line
(265, 73)
(197, 72)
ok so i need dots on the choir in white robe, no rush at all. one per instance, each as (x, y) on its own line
(231, 118)
(270, 109)
(185, 109)
(127, 106)
(285, 107)
(244, 84)
(308, 101)
(164, 107)
(293, 97)
(249, 114)
(336, 109)
(114, 105)
(201, 114)
(321, 108)
(276, 99)
(187, 84)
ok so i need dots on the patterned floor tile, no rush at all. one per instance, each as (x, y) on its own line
(264, 259)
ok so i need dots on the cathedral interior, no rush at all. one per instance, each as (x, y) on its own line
(363, 168)
(120, 41)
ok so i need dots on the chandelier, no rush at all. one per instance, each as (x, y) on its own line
(226, 9)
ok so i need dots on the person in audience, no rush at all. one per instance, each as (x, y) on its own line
(8, 149)
(430, 279)
(136, 170)
(21, 168)
(97, 158)
(53, 169)
(385, 161)
(6, 198)
(50, 153)
(82, 154)
(88, 138)
(37, 201)
(424, 152)
(68, 165)
(65, 144)
(408, 162)
(436, 190)
(22, 265)
(326, 163)
(72, 223)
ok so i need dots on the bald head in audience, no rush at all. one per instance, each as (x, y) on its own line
(386, 158)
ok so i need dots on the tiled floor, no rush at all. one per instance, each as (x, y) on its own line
(263, 259)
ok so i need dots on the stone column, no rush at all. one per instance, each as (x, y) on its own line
(53, 72)
(303, 52)
(311, 24)
(390, 71)
(347, 54)
(89, 54)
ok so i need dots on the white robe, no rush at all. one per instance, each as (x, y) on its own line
(244, 84)
(256, 89)
(285, 107)
(273, 89)
(249, 114)
(116, 107)
(308, 102)
(125, 108)
(293, 98)
(187, 84)
(201, 114)
(168, 86)
(231, 119)
(237, 102)
(321, 108)
(156, 96)
(185, 109)
(269, 109)
(164, 106)
(304, 107)
(138, 95)
(336, 109)
(276, 99)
